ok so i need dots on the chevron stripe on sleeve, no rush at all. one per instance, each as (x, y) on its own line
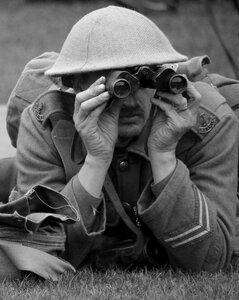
(201, 229)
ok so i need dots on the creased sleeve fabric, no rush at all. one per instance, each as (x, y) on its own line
(38, 162)
(193, 215)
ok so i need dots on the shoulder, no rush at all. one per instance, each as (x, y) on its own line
(37, 121)
(214, 110)
(53, 104)
(228, 88)
(211, 98)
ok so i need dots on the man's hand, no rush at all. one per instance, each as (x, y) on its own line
(97, 127)
(175, 115)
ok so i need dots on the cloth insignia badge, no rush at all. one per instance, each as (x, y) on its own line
(206, 122)
(37, 109)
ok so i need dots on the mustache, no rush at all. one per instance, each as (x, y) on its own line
(129, 111)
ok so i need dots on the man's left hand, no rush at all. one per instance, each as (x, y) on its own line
(175, 115)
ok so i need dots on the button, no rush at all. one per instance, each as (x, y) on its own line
(124, 166)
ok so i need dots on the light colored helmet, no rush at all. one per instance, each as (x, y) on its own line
(113, 38)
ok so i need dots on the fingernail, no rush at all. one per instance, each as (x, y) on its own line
(101, 87)
(102, 78)
(106, 95)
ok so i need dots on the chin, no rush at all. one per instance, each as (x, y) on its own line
(129, 131)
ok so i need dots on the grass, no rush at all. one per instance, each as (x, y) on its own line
(29, 28)
(118, 284)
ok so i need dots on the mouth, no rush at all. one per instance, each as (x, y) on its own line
(130, 112)
(130, 118)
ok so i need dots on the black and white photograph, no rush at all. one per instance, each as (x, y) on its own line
(119, 147)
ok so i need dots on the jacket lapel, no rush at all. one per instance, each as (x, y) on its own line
(63, 137)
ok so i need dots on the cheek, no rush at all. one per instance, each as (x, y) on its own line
(144, 96)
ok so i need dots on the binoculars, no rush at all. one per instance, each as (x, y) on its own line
(121, 84)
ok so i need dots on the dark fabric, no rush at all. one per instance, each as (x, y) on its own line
(33, 225)
(8, 177)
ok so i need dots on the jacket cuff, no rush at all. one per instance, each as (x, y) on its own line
(158, 187)
(91, 209)
(166, 190)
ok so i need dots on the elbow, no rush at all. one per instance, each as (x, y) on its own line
(219, 256)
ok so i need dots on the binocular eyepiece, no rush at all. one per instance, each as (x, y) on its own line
(121, 84)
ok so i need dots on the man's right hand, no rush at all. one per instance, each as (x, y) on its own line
(97, 127)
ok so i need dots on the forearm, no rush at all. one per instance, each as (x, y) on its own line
(40, 164)
(185, 222)
(163, 164)
(92, 175)
(91, 209)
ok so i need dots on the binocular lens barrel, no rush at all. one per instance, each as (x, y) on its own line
(121, 88)
(177, 84)
(122, 83)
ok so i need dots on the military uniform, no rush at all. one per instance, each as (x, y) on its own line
(190, 216)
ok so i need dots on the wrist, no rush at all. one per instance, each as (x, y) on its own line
(163, 164)
(92, 175)
(96, 162)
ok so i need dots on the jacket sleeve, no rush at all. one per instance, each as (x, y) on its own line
(38, 162)
(193, 216)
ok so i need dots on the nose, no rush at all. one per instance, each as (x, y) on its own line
(130, 101)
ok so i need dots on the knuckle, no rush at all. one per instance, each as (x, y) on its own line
(79, 98)
(194, 93)
(95, 90)
(100, 99)
(92, 91)
(184, 101)
(84, 106)
(81, 128)
(198, 96)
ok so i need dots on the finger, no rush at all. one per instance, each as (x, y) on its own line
(167, 108)
(100, 80)
(178, 104)
(172, 111)
(94, 90)
(91, 105)
(177, 101)
(90, 118)
(89, 93)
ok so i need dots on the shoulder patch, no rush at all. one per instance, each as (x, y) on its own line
(207, 120)
(207, 116)
(52, 102)
(37, 108)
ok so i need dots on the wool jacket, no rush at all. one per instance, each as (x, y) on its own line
(191, 215)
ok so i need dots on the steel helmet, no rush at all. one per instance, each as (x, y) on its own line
(113, 38)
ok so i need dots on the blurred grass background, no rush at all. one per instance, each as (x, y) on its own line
(28, 28)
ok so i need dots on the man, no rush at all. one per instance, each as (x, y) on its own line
(153, 178)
